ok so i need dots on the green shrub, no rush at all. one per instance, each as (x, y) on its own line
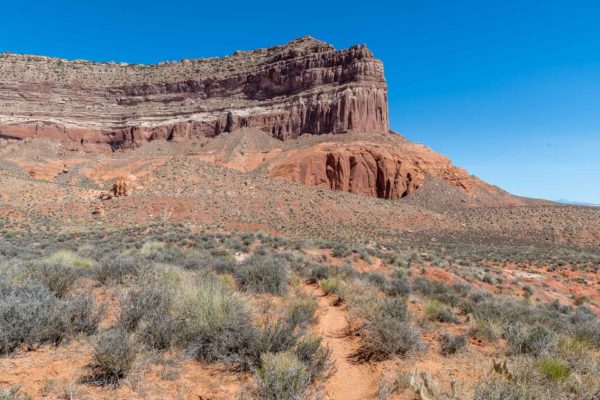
(67, 258)
(79, 314)
(151, 312)
(436, 311)
(377, 279)
(314, 273)
(218, 325)
(266, 273)
(340, 251)
(114, 356)
(554, 369)
(301, 311)
(334, 286)
(584, 324)
(282, 376)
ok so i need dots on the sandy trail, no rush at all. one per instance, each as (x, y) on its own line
(351, 381)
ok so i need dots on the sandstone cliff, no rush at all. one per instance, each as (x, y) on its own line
(385, 170)
(305, 86)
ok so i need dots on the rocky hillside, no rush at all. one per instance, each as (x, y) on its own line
(304, 90)
(305, 86)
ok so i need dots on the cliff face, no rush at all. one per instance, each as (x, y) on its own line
(386, 170)
(305, 86)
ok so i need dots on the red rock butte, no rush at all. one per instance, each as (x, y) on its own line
(305, 86)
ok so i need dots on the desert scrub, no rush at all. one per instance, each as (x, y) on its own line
(114, 356)
(387, 331)
(31, 314)
(485, 330)
(274, 336)
(218, 325)
(340, 251)
(335, 286)
(202, 315)
(536, 340)
(584, 325)
(450, 344)
(301, 310)
(151, 313)
(264, 273)
(496, 388)
(313, 273)
(316, 357)
(116, 268)
(70, 259)
(13, 393)
(59, 278)
(436, 290)
(542, 379)
(554, 369)
(158, 251)
(282, 376)
(436, 311)
(377, 279)
(398, 285)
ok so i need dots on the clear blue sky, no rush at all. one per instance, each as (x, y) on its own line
(508, 89)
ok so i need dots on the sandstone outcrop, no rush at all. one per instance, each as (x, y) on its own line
(305, 86)
(388, 171)
(119, 188)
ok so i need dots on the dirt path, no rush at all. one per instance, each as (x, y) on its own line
(351, 381)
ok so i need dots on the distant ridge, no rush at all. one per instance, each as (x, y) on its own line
(577, 203)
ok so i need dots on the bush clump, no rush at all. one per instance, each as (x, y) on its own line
(451, 344)
(316, 357)
(31, 314)
(436, 311)
(70, 259)
(498, 389)
(282, 376)
(114, 356)
(398, 285)
(301, 311)
(115, 269)
(59, 278)
(266, 273)
(554, 369)
(388, 331)
(335, 286)
(536, 340)
(13, 393)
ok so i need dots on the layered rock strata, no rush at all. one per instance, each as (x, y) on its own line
(305, 86)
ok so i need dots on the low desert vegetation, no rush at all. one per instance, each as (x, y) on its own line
(31, 314)
(245, 303)
(114, 357)
(387, 329)
(450, 344)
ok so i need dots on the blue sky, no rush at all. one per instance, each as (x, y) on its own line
(508, 89)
